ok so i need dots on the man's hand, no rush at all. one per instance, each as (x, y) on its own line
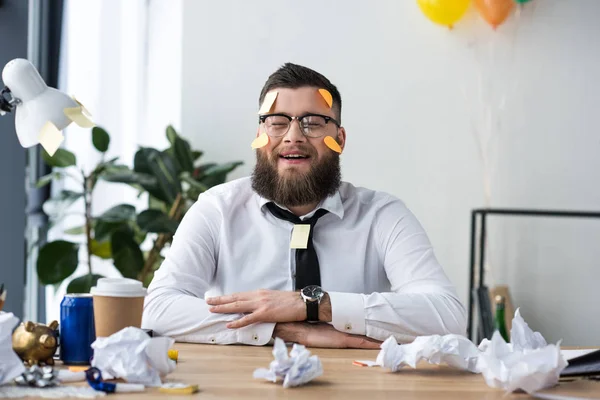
(322, 335)
(261, 306)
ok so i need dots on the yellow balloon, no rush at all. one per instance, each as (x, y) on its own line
(444, 12)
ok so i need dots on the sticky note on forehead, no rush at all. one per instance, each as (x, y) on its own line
(326, 96)
(268, 102)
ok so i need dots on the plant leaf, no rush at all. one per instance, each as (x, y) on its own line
(46, 179)
(217, 174)
(100, 139)
(104, 229)
(118, 213)
(156, 221)
(57, 206)
(77, 230)
(127, 256)
(196, 154)
(56, 261)
(165, 171)
(62, 158)
(83, 284)
(101, 249)
(180, 151)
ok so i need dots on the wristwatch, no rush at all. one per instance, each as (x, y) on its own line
(312, 296)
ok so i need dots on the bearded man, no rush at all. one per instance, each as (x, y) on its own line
(294, 252)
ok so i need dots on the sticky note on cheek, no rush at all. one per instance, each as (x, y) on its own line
(261, 141)
(50, 138)
(332, 144)
(300, 236)
(326, 96)
(268, 102)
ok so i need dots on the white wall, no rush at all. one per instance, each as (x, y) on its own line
(412, 92)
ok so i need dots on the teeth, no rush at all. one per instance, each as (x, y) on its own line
(294, 156)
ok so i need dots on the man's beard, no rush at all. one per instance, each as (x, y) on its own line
(296, 188)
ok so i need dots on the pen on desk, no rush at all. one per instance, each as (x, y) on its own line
(2, 296)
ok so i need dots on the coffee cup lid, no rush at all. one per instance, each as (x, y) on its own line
(118, 287)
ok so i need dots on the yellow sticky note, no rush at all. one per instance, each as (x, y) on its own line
(50, 138)
(260, 141)
(300, 236)
(80, 115)
(268, 102)
(327, 96)
(332, 144)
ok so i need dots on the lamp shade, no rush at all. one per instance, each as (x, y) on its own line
(37, 103)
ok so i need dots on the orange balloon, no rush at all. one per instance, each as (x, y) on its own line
(494, 12)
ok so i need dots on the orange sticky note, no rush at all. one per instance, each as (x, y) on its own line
(332, 144)
(268, 102)
(300, 236)
(260, 141)
(50, 138)
(327, 96)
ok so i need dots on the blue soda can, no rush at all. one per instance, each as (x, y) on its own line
(77, 330)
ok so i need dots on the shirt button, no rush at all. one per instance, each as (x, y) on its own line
(255, 337)
(212, 340)
(348, 327)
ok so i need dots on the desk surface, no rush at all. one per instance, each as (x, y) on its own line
(226, 372)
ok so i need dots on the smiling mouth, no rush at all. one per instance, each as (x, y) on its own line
(294, 157)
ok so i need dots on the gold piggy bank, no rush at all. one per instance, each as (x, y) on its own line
(36, 343)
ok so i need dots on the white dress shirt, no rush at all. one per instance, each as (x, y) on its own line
(376, 263)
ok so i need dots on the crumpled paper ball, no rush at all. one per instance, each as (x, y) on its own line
(134, 356)
(296, 369)
(454, 350)
(11, 366)
(527, 363)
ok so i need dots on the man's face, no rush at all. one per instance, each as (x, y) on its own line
(295, 169)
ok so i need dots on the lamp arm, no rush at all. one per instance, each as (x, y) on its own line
(7, 101)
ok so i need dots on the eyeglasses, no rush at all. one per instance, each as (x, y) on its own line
(311, 125)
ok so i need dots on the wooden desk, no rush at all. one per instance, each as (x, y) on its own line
(225, 372)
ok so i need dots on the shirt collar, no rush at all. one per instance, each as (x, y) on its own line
(332, 203)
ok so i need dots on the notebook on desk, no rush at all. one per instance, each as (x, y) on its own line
(585, 365)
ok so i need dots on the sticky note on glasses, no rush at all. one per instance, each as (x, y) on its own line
(332, 144)
(268, 102)
(260, 141)
(50, 138)
(327, 96)
(300, 236)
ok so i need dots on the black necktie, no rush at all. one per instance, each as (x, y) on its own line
(307, 263)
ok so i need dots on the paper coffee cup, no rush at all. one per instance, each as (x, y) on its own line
(118, 304)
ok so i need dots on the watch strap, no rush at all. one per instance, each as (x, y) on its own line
(312, 311)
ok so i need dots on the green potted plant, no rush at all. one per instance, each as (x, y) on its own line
(173, 179)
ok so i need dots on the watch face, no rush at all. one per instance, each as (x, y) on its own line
(312, 291)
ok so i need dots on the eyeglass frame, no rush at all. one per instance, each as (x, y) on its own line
(262, 118)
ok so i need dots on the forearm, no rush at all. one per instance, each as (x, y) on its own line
(187, 319)
(402, 315)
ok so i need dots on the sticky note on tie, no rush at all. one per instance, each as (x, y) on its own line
(260, 141)
(268, 102)
(50, 138)
(300, 236)
(326, 96)
(332, 144)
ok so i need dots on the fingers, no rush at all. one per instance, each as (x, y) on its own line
(232, 308)
(213, 301)
(240, 323)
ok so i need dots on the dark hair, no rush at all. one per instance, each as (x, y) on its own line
(293, 76)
